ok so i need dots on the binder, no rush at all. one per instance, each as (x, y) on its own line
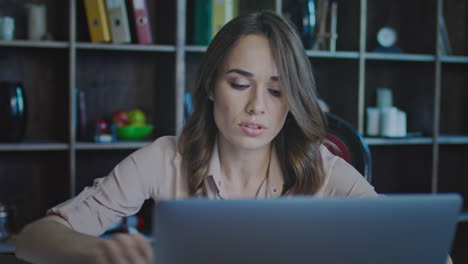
(118, 21)
(222, 12)
(97, 21)
(202, 22)
(141, 21)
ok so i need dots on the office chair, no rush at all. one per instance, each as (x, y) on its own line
(346, 142)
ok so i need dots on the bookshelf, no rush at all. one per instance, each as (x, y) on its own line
(52, 164)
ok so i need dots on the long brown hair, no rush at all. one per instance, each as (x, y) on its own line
(298, 143)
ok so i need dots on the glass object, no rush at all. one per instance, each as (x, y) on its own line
(7, 28)
(12, 112)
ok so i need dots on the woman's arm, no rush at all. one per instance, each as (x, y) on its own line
(51, 240)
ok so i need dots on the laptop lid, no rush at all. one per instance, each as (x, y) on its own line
(392, 229)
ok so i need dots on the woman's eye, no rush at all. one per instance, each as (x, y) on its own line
(275, 92)
(239, 86)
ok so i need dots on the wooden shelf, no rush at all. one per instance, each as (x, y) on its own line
(125, 47)
(398, 141)
(34, 44)
(196, 49)
(34, 146)
(455, 139)
(310, 53)
(399, 57)
(333, 55)
(454, 59)
(111, 146)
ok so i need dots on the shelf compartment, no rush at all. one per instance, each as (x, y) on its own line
(111, 146)
(399, 57)
(161, 18)
(398, 141)
(34, 146)
(35, 44)
(125, 47)
(58, 17)
(453, 107)
(412, 88)
(455, 14)
(31, 183)
(401, 168)
(452, 168)
(128, 81)
(45, 78)
(340, 94)
(414, 21)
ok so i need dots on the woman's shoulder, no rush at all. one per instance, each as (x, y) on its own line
(163, 147)
(341, 178)
(328, 158)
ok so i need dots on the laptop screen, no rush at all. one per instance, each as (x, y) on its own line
(392, 229)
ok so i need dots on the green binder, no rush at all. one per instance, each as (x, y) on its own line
(202, 22)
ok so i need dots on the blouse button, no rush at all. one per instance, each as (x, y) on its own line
(275, 190)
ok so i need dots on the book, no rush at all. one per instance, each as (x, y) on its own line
(202, 19)
(222, 11)
(118, 21)
(141, 21)
(444, 41)
(97, 21)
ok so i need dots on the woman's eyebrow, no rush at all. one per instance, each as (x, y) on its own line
(249, 74)
(241, 72)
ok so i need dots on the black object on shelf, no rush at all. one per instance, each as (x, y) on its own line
(303, 14)
(12, 112)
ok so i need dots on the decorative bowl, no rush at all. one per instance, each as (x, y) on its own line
(134, 132)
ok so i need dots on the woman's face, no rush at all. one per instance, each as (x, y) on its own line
(249, 106)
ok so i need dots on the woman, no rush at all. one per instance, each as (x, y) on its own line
(256, 132)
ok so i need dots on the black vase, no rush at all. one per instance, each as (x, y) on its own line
(12, 112)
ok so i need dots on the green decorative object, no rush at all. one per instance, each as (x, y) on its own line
(134, 132)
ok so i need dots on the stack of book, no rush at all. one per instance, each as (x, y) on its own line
(111, 21)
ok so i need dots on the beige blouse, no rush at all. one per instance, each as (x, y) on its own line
(154, 171)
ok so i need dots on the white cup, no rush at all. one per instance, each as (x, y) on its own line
(389, 122)
(401, 123)
(7, 28)
(37, 21)
(373, 121)
(384, 97)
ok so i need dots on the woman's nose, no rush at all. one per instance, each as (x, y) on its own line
(255, 104)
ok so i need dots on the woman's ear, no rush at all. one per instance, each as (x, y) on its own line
(209, 92)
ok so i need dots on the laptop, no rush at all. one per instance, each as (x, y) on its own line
(393, 229)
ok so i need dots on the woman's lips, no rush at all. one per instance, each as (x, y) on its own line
(252, 129)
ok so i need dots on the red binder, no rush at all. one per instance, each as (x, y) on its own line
(141, 21)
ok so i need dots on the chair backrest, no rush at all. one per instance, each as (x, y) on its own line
(348, 144)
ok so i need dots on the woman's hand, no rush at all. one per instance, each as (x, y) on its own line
(123, 248)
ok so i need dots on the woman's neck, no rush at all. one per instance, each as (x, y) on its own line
(243, 170)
